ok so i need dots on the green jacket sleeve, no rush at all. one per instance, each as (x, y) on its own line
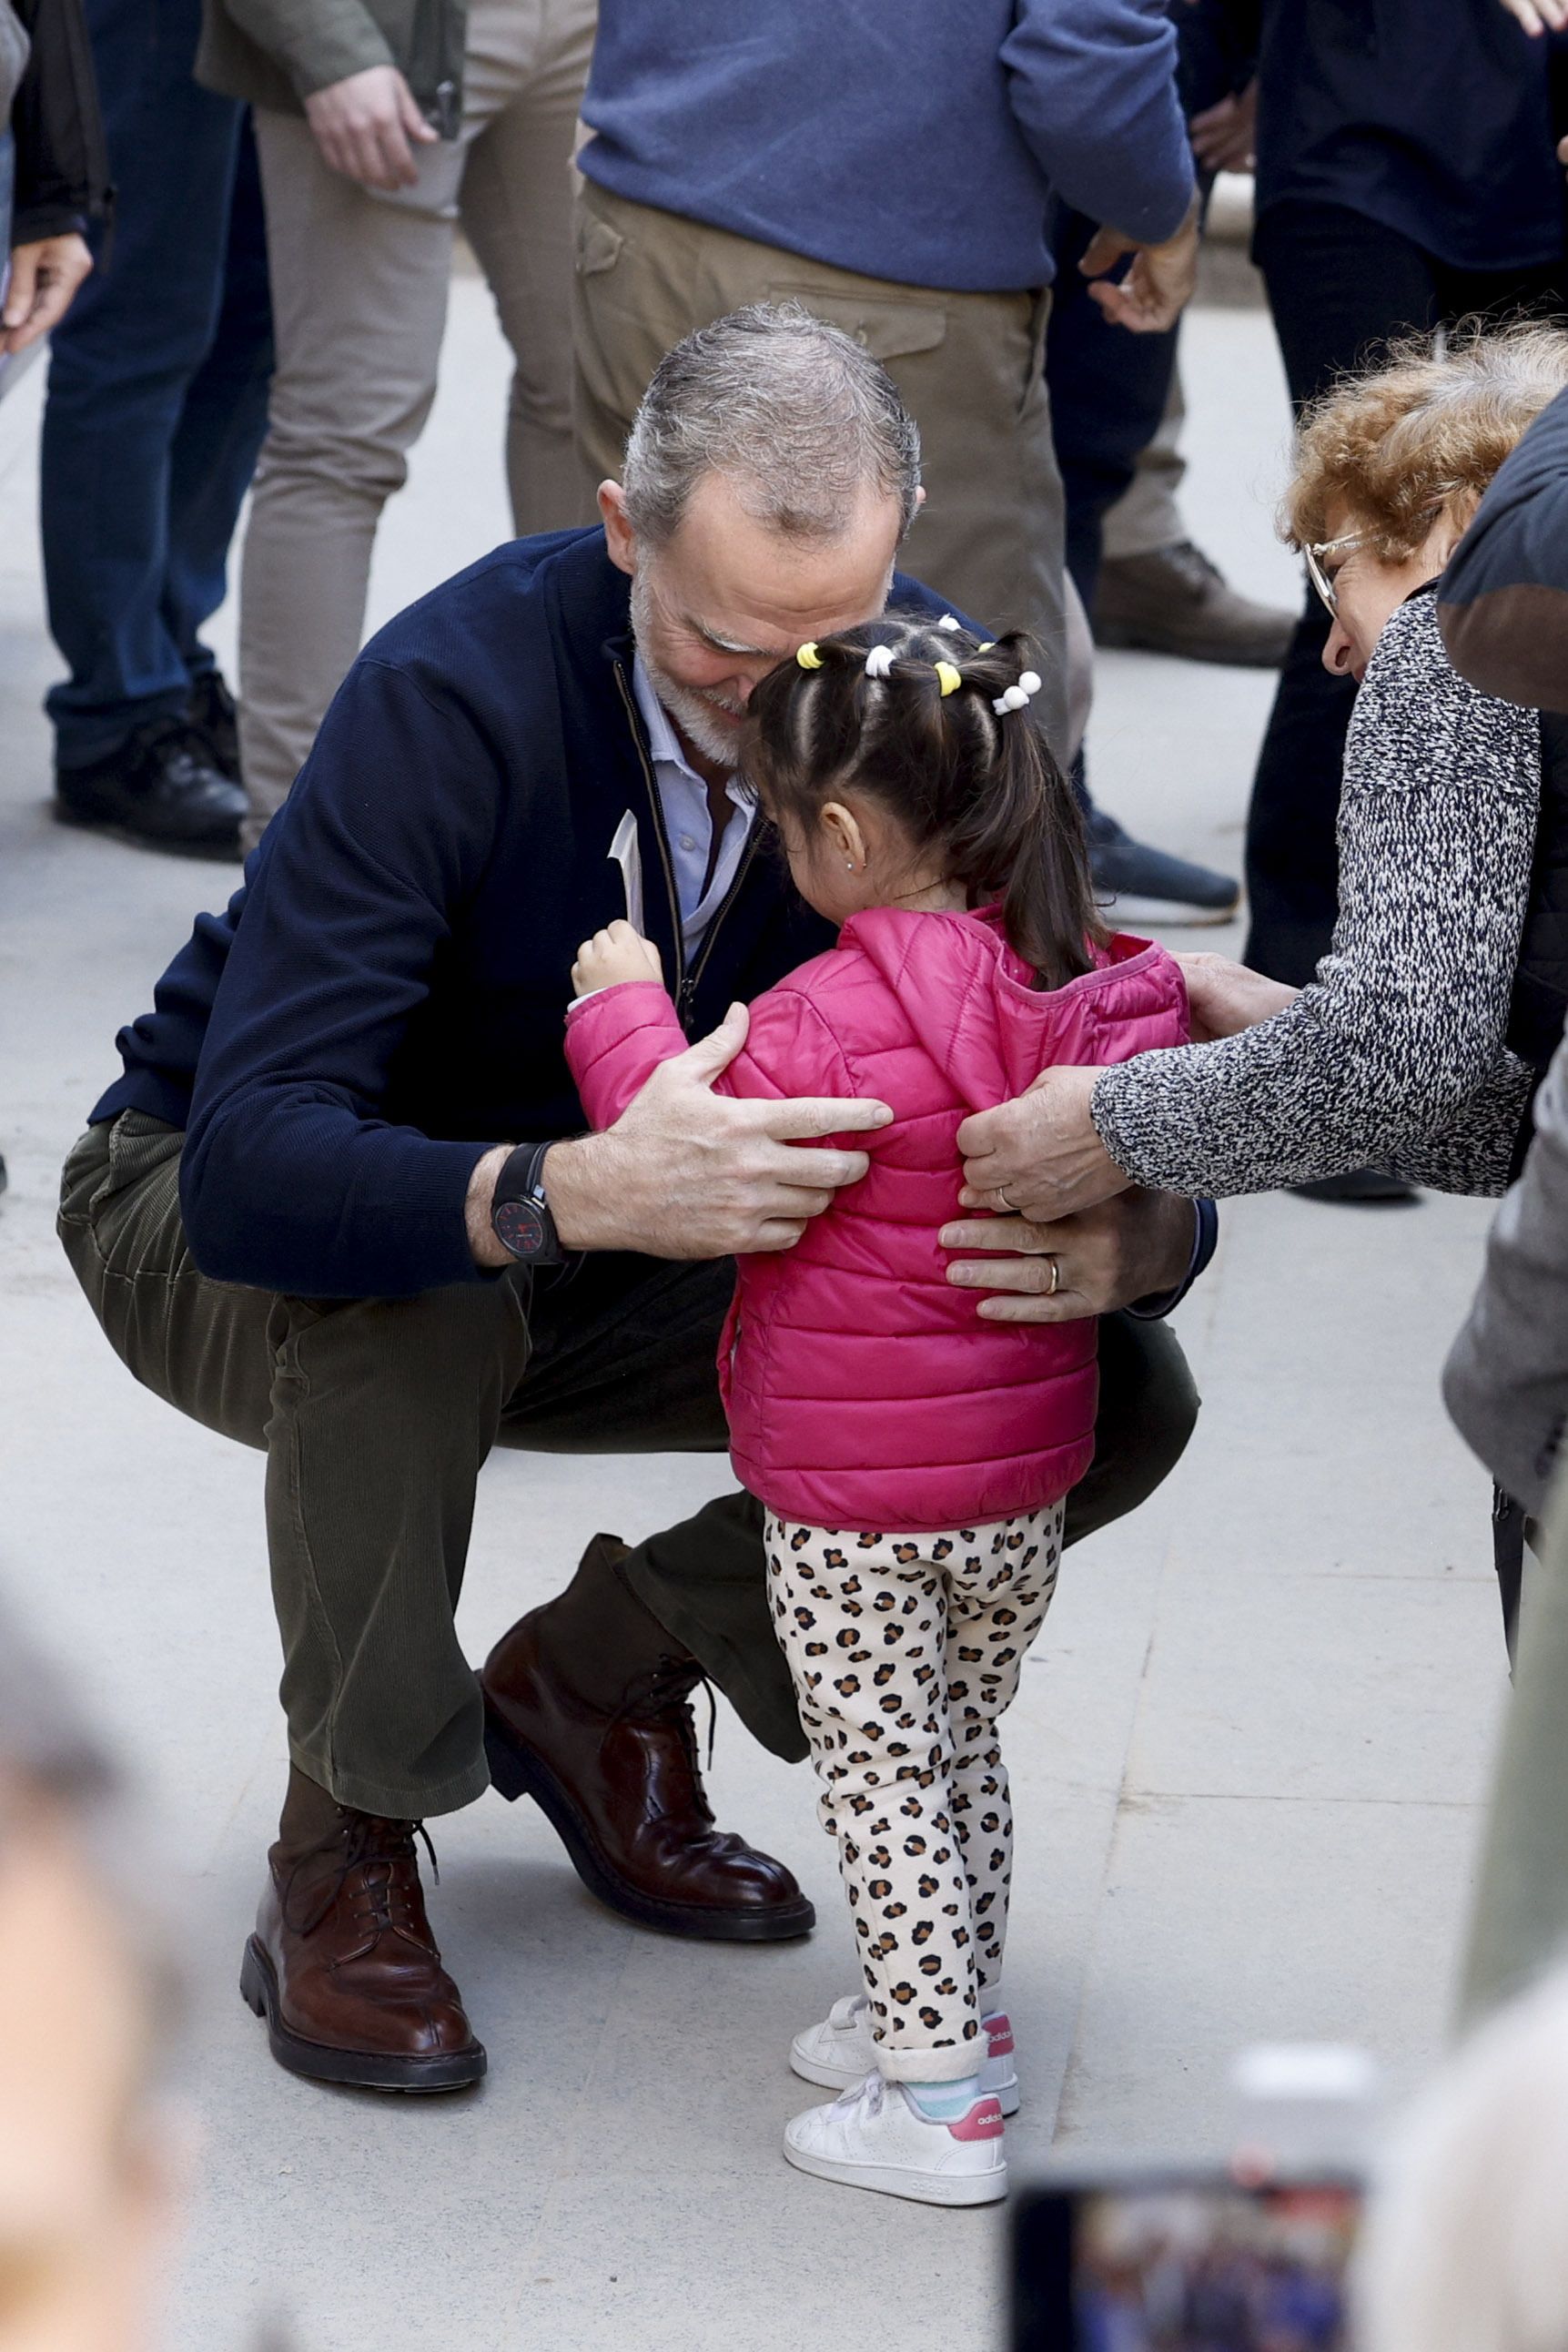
(314, 42)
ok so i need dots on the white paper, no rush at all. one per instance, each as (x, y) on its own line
(627, 852)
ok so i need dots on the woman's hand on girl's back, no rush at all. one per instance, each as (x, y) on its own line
(1040, 1157)
(1223, 998)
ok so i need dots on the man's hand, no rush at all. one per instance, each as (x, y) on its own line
(1224, 136)
(1135, 1247)
(44, 282)
(1158, 287)
(363, 125)
(1040, 1156)
(687, 1173)
(613, 956)
(1540, 16)
(1223, 998)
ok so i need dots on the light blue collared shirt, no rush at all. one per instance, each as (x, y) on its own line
(684, 796)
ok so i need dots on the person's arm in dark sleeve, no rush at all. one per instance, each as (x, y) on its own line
(1093, 89)
(316, 42)
(1503, 604)
(1205, 1241)
(293, 1178)
(61, 160)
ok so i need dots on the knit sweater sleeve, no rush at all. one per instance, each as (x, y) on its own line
(1474, 1152)
(1404, 1021)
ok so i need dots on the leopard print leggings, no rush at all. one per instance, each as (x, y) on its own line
(905, 1651)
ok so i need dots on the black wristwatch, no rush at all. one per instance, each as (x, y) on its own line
(520, 1213)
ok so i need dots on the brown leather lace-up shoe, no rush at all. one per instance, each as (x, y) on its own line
(342, 1964)
(586, 1711)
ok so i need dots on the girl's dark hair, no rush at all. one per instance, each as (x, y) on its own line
(975, 786)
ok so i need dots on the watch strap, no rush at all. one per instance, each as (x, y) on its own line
(520, 1213)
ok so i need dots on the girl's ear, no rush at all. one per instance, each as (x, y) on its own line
(844, 837)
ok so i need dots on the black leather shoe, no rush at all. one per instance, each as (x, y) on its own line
(211, 712)
(161, 786)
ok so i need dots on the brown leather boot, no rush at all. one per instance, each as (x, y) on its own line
(342, 1964)
(585, 1710)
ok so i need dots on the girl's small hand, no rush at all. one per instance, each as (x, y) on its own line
(613, 956)
(1040, 1157)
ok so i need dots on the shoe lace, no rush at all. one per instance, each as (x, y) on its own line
(174, 734)
(869, 2093)
(850, 2010)
(1190, 559)
(385, 1898)
(666, 1691)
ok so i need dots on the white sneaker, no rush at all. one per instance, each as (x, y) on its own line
(877, 2138)
(842, 2050)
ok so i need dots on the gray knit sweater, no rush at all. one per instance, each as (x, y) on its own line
(1393, 1057)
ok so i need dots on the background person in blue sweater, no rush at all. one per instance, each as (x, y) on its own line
(898, 172)
(307, 1215)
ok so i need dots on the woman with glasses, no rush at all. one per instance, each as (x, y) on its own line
(1407, 179)
(1397, 1056)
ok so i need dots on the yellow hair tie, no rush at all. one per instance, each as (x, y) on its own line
(806, 654)
(989, 645)
(948, 678)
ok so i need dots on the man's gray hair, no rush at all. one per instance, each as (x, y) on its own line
(795, 415)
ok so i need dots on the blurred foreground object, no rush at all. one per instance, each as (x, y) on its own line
(1465, 2250)
(85, 2172)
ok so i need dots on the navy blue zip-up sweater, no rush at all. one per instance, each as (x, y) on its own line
(910, 140)
(385, 998)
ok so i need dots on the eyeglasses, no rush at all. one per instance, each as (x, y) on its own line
(1313, 549)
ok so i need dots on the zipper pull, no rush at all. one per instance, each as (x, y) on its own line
(448, 116)
(685, 1004)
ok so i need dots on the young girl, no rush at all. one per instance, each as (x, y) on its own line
(912, 1459)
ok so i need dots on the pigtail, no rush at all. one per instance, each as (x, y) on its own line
(1021, 838)
(939, 727)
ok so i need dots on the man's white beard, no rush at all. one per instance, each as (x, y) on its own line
(692, 711)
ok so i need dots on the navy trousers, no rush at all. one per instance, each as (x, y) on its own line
(158, 384)
(1108, 393)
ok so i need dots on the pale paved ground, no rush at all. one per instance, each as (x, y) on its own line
(1248, 1752)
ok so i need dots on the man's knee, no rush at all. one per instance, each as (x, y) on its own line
(1148, 1411)
(304, 459)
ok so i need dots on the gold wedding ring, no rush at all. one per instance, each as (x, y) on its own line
(1006, 1202)
(1055, 1277)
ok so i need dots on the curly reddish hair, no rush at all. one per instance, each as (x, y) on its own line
(1392, 444)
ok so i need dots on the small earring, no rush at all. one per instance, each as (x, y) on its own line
(849, 865)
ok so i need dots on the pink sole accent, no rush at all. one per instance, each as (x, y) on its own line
(984, 2121)
(1001, 2030)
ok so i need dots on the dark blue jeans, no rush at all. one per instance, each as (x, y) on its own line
(1108, 393)
(157, 400)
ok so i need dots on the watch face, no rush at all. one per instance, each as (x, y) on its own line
(520, 1227)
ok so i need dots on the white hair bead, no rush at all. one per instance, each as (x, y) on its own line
(949, 621)
(879, 661)
(1018, 696)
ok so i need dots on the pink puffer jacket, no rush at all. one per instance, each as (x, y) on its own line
(864, 1391)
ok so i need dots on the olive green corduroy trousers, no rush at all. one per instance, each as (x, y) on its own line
(376, 1416)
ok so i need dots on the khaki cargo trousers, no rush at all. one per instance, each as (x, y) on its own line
(376, 1416)
(359, 286)
(970, 369)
